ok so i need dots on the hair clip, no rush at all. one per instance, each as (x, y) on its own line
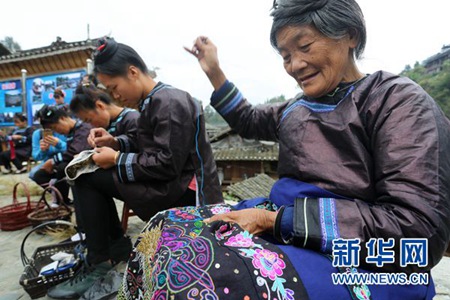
(101, 47)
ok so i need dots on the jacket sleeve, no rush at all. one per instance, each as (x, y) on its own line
(37, 153)
(410, 139)
(26, 139)
(61, 146)
(127, 141)
(75, 146)
(169, 118)
(252, 122)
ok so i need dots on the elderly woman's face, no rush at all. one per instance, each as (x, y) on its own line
(316, 62)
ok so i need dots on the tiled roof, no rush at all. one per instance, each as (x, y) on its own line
(231, 146)
(248, 154)
(258, 186)
(445, 52)
(4, 50)
(57, 47)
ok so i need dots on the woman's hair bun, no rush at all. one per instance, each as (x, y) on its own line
(106, 49)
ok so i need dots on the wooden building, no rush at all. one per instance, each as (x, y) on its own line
(434, 63)
(59, 56)
(238, 159)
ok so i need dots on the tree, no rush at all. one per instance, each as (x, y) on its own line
(12, 45)
(436, 84)
(278, 99)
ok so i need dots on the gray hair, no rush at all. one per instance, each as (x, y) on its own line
(333, 18)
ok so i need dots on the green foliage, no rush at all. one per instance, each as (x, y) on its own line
(9, 43)
(212, 117)
(278, 99)
(436, 84)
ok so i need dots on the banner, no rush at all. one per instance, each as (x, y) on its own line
(10, 101)
(40, 89)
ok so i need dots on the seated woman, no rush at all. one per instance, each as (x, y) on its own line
(20, 145)
(93, 106)
(76, 132)
(45, 143)
(364, 168)
(168, 162)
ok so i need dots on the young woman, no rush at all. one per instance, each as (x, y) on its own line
(20, 146)
(44, 146)
(93, 106)
(167, 163)
(58, 120)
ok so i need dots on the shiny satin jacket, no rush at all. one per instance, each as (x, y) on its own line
(385, 147)
(157, 164)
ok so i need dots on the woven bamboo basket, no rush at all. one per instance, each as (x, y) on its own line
(15, 215)
(45, 213)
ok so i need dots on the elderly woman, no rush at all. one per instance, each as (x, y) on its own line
(363, 165)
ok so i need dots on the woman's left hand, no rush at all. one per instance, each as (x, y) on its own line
(104, 157)
(254, 220)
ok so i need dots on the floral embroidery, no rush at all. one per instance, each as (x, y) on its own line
(219, 209)
(267, 205)
(362, 292)
(269, 263)
(243, 239)
(224, 231)
(184, 214)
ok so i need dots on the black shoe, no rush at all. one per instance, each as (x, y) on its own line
(83, 280)
(120, 249)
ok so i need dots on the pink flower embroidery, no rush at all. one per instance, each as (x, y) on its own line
(243, 239)
(269, 263)
(220, 210)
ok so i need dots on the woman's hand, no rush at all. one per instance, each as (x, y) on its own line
(104, 157)
(43, 145)
(206, 53)
(51, 140)
(48, 166)
(256, 221)
(99, 137)
(16, 137)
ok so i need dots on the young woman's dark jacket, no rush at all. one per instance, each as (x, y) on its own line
(22, 147)
(169, 148)
(76, 142)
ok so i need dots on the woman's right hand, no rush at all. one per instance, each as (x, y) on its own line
(206, 53)
(99, 137)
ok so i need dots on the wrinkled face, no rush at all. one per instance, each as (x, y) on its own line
(317, 62)
(97, 117)
(62, 127)
(123, 88)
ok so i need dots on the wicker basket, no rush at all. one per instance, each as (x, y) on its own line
(44, 213)
(37, 285)
(15, 216)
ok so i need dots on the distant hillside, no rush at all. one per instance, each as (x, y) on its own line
(436, 84)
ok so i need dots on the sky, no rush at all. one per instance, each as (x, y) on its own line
(399, 32)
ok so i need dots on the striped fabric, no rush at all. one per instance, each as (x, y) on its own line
(328, 223)
(226, 98)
